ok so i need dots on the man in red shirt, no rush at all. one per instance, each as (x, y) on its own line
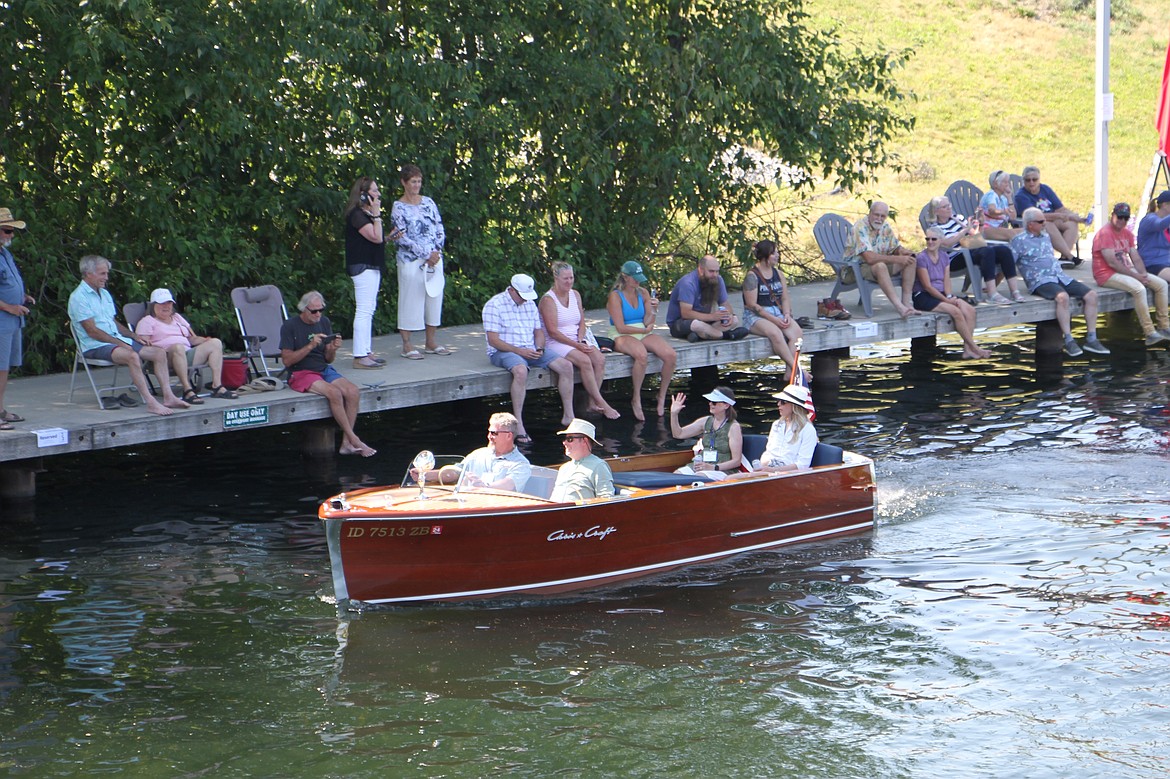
(1117, 264)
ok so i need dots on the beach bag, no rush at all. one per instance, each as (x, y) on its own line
(235, 372)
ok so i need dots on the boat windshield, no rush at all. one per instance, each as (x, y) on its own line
(447, 469)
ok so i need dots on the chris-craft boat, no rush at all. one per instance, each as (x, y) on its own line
(386, 545)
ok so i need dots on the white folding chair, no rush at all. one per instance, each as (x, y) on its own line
(89, 364)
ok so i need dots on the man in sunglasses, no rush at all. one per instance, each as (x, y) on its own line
(1037, 263)
(308, 347)
(14, 303)
(497, 466)
(585, 475)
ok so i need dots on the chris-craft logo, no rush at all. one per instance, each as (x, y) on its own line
(594, 532)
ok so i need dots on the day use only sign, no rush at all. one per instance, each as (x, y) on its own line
(245, 417)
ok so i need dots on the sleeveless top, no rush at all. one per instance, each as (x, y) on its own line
(718, 439)
(771, 290)
(632, 315)
(568, 318)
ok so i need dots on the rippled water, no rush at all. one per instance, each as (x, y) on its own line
(1007, 618)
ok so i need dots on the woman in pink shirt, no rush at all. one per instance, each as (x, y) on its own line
(166, 329)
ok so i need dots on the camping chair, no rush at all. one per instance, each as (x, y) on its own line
(89, 363)
(974, 275)
(260, 312)
(831, 232)
(133, 312)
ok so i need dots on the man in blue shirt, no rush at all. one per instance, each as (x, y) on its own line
(102, 337)
(1060, 222)
(698, 306)
(14, 303)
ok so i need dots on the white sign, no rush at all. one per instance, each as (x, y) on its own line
(52, 436)
(864, 329)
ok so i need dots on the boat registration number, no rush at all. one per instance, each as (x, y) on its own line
(393, 531)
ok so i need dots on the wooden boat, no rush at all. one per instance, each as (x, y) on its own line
(386, 545)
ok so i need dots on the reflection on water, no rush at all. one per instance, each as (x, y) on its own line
(1008, 618)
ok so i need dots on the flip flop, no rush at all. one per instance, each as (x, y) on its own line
(5, 425)
(443, 350)
(524, 439)
(412, 355)
(8, 416)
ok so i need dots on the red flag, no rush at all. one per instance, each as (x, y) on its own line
(1164, 108)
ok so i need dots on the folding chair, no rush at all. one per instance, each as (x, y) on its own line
(133, 312)
(89, 363)
(260, 312)
(831, 233)
(974, 275)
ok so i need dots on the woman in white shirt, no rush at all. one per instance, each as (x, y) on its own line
(793, 438)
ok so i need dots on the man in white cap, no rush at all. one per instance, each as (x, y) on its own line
(515, 342)
(586, 475)
(14, 303)
(102, 337)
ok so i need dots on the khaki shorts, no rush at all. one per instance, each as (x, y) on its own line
(848, 276)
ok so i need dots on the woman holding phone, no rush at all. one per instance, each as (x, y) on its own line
(365, 259)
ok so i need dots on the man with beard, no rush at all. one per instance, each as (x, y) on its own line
(698, 306)
(14, 303)
(873, 241)
(497, 466)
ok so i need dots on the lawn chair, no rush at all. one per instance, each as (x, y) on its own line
(831, 233)
(974, 275)
(133, 312)
(260, 312)
(964, 197)
(90, 363)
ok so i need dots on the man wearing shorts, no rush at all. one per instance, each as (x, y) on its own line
(308, 347)
(1037, 263)
(698, 306)
(102, 337)
(515, 342)
(14, 303)
(873, 241)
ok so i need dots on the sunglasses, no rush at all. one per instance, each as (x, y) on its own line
(932, 240)
(1031, 181)
(316, 310)
(7, 230)
(569, 438)
(494, 433)
(1039, 221)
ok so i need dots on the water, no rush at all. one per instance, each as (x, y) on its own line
(1007, 618)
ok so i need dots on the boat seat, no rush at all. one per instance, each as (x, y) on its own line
(827, 454)
(654, 480)
(754, 445)
(540, 483)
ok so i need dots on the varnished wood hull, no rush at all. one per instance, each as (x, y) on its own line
(386, 546)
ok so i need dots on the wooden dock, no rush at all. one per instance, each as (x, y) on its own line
(43, 400)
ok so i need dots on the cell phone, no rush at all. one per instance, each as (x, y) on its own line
(364, 197)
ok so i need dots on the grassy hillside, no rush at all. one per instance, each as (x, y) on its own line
(1002, 85)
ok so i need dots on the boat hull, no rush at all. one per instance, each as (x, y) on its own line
(387, 547)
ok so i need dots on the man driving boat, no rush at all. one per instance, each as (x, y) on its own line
(499, 465)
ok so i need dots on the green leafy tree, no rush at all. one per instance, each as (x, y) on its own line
(206, 146)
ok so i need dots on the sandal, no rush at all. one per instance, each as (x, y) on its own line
(192, 397)
(524, 439)
(8, 416)
(221, 393)
(5, 425)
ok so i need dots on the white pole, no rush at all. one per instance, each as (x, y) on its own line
(1104, 111)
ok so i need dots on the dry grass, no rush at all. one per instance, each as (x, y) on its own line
(985, 102)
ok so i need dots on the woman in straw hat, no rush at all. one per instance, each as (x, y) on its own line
(793, 438)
